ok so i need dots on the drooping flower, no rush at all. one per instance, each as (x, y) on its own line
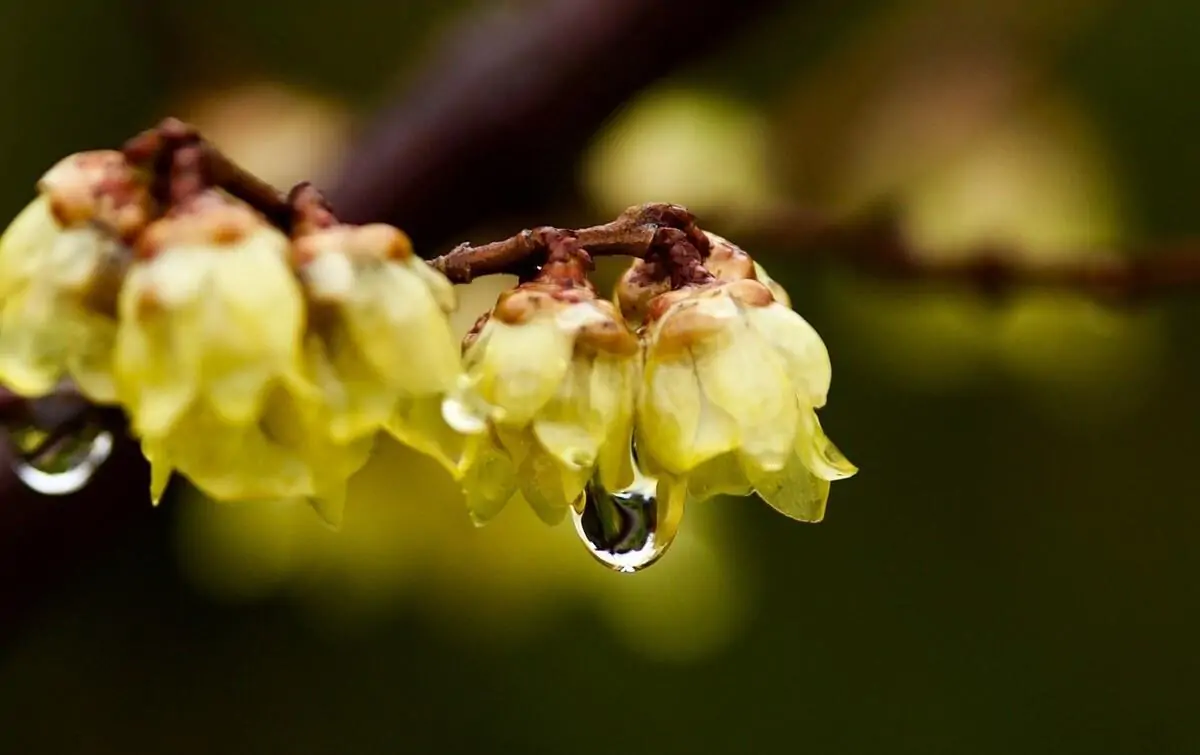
(558, 367)
(62, 261)
(729, 393)
(379, 347)
(210, 312)
(207, 356)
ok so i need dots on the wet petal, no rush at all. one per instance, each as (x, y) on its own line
(793, 491)
(800, 346)
(548, 487)
(489, 482)
(747, 379)
(721, 475)
(678, 425)
(819, 454)
(521, 367)
(420, 424)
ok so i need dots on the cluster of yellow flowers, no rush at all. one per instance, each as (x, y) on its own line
(263, 366)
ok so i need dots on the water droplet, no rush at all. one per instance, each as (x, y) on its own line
(63, 466)
(465, 411)
(626, 530)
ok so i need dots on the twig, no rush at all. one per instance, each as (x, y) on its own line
(641, 231)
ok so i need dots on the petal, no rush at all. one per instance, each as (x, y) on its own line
(793, 491)
(800, 346)
(615, 464)
(549, 487)
(359, 401)
(419, 424)
(489, 482)
(721, 475)
(160, 469)
(678, 426)
(235, 463)
(157, 356)
(439, 286)
(30, 234)
(90, 360)
(819, 454)
(520, 367)
(330, 507)
(402, 333)
(778, 291)
(747, 379)
(252, 326)
(34, 340)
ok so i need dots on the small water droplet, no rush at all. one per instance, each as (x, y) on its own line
(63, 467)
(626, 530)
(465, 411)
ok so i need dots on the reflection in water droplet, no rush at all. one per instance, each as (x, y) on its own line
(65, 466)
(627, 530)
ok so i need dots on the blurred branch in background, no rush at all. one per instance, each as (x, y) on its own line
(496, 125)
(877, 245)
(493, 127)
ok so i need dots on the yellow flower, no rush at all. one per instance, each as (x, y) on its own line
(728, 398)
(283, 455)
(210, 312)
(61, 264)
(379, 346)
(558, 367)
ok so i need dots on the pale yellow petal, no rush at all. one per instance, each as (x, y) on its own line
(793, 491)
(819, 454)
(615, 464)
(489, 482)
(549, 487)
(678, 425)
(801, 347)
(721, 475)
(253, 320)
(34, 340)
(359, 401)
(746, 378)
(401, 331)
(519, 367)
(30, 235)
(439, 287)
(419, 424)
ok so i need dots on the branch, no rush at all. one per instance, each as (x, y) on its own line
(495, 126)
(641, 231)
(877, 245)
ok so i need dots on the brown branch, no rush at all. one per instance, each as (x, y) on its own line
(157, 147)
(640, 231)
(876, 244)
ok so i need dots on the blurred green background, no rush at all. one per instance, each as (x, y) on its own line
(1012, 570)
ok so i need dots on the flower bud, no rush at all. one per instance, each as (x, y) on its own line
(62, 261)
(729, 391)
(558, 367)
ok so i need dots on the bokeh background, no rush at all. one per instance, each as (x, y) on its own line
(1013, 570)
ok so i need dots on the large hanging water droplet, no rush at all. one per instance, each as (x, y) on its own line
(626, 530)
(59, 466)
